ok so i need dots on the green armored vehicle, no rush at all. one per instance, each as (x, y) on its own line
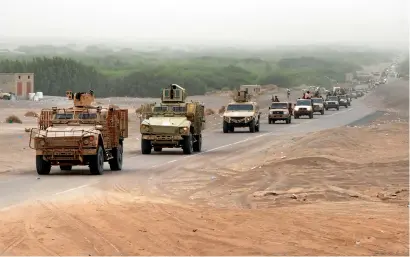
(173, 123)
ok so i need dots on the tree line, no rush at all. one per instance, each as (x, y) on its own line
(144, 76)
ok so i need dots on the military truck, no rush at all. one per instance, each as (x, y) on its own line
(84, 134)
(241, 113)
(280, 111)
(173, 123)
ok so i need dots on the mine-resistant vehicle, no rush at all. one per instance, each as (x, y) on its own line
(84, 134)
(280, 111)
(303, 107)
(332, 102)
(241, 113)
(343, 101)
(172, 123)
(318, 105)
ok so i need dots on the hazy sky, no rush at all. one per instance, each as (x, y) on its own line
(245, 21)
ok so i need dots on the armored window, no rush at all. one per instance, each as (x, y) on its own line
(240, 107)
(177, 93)
(179, 109)
(166, 93)
(160, 108)
(85, 116)
(64, 116)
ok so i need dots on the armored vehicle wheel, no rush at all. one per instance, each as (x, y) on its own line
(97, 162)
(231, 129)
(43, 167)
(157, 149)
(270, 121)
(337, 108)
(311, 115)
(66, 167)
(187, 146)
(322, 112)
(198, 144)
(287, 121)
(257, 126)
(346, 106)
(252, 126)
(146, 146)
(116, 161)
(296, 116)
(225, 127)
(327, 109)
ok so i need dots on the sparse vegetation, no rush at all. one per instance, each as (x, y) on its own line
(13, 119)
(209, 112)
(31, 114)
(133, 73)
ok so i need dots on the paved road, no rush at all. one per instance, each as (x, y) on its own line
(25, 186)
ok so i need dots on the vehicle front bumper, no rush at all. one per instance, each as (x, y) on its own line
(332, 105)
(279, 116)
(302, 112)
(239, 121)
(317, 108)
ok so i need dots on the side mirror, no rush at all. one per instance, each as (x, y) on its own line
(98, 127)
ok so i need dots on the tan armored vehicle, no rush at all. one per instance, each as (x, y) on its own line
(81, 135)
(173, 123)
(318, 105)
(241, 113)
(280, 111)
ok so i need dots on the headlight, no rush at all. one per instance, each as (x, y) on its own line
(88, 140)
(248, 118)
(183, 130)
(144, 127)
(296, 109)
(42, 142)
(285, 112)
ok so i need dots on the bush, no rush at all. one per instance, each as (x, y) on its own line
(13, 119)
(31, 114)
(209, 112)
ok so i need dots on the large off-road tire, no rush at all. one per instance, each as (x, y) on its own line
(311, 115)
(258, 126)
(117, 154)
(346, 106)
(97, 162)
(296, 116)
(146, 146)
(231, 129)
(270, 121)
(43, 167)
(322, 112)
(225, 127)
(327, 109)
(187, 145)
(337, 108)
(252, 126)
(66, 167)
(198, 144)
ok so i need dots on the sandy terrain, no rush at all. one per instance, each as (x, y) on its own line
(340, 191)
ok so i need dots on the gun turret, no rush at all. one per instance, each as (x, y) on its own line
(83, 99)
(173, 94)
(241, 96)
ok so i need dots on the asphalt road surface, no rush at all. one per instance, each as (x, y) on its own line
(28, 186)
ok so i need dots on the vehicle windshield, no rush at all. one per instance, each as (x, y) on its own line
(333, 98)
(176, 108)
(279, 106)
(64, 116)
(240, 107)
(317, 100)
(303, 102)
(342, 97)
(160, 108)
(87, 116)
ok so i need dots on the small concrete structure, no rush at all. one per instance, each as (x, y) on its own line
(20, 84)
(251, 89)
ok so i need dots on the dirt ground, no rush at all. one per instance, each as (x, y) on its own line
(342, 191)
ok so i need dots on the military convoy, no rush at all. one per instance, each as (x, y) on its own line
(172, 123)
(84, 134)
(242, 112)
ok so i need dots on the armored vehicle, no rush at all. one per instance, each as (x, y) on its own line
(241, 113)
(81, 135)
(173, 123)
(318, 105)
(280, 111)
(303, 107)
(332, 102)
